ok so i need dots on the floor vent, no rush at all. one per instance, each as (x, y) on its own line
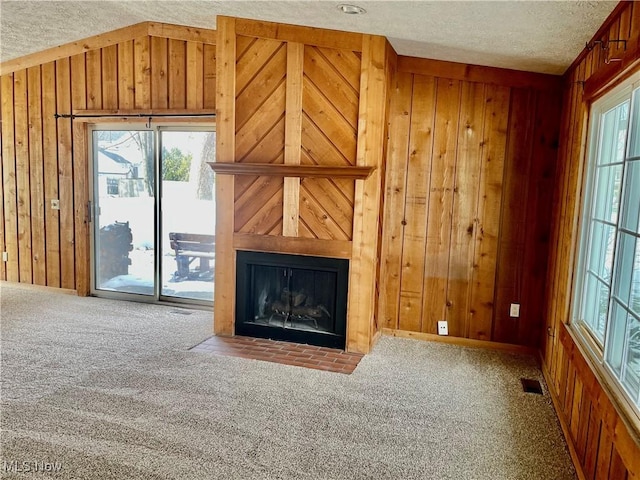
(531, 386)
(181, 312)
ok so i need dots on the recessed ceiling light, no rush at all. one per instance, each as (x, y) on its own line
(351, 9)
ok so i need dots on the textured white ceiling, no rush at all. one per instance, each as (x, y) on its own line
(538, 36)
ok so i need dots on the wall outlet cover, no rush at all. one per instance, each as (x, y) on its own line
(514, 311)
(443, 327)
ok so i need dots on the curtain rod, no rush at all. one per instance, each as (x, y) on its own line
(126, 115)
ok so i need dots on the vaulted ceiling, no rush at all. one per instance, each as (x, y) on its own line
(538, 36)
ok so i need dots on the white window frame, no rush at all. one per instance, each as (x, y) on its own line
(598, 348)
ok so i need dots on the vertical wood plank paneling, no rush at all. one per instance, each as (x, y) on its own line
(573, 92)
(50, 152)
(539, 210)
(465, 199)
(371, 138)
(513, 224)
(614, 48)
(36, 176)
(561, 306)
(490, 201)
(559, 217)
(625, 443)
(142, 72)
(440, 205)
(195, 75)
(81, 214)
(10, 194)
(293, 138)
(572, 200)
(617, 469)
(177, 74)
(583, 426)
(416, 208)
(576, 405)
(560, 295)
(391, 74)
(94, 79)
(394, 201)
(80, 160)
(563, 378)
(209, 68)
(22, 175)
(126, 76)
(486, 173)
(593, 440)
(603, 461)
(159, 73)
(560, 376)
(225, 152)
(635, 21)
(3, 273)
(109, 78)
(624, 32)
(65, 175)
(550, 352)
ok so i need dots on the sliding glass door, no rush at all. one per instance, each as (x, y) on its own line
(187, 214)
(124, 205)
(153, 213)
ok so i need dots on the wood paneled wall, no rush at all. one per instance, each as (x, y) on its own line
(470, 171)
(601, 444)
(301, 96)
(40, 160)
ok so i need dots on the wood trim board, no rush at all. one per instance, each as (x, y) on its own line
(292, 137)
(459, 341)
(478, 73)
(293, 33)
(291, 170)
(293, 245)
(154, 29)
(225, 298)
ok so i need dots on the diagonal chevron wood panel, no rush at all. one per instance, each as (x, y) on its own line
(261, 68)
(330, 91)
(330, 104)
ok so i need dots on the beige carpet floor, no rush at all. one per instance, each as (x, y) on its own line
(101, 389)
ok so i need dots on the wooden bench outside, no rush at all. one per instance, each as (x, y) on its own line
(188, 247)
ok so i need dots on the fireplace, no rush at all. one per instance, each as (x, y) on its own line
(294, 298)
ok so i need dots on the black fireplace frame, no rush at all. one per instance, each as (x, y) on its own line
(340, 266)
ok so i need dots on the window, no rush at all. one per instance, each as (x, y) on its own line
(607, 302)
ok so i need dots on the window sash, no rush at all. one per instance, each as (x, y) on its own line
(607, 290)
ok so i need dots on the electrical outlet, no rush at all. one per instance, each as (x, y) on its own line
(515, 310)
(55, 204)
(5, 257)
(443, 327)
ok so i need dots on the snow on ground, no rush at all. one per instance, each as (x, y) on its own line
(181, 212)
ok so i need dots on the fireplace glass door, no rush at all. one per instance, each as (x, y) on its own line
(288, 297)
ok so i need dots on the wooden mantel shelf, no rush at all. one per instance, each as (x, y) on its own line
(282, 170)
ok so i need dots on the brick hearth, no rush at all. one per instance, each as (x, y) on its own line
(287, 353)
